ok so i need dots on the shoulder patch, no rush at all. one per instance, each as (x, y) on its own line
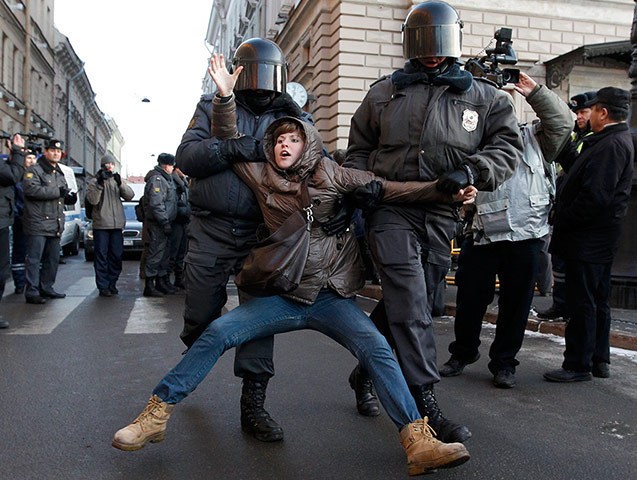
(157, 189)
(192, 122)
(29, 175)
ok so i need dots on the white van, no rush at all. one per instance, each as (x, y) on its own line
(70, 240)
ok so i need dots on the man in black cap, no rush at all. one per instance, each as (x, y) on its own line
(105, 193)
(581, 130)
(45, 194)
(591, 204)
(160, 210)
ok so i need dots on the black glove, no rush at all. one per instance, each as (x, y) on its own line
(118, 179)
(70, 198)
(242, 149)
(455, 181)
(100, 177)
(368, 196)
(167, 229)
(63, 191)
(340, 222)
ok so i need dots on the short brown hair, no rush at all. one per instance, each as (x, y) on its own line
(288, 126)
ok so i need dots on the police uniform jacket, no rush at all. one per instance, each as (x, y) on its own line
(518, 209)
(423, 131)
(43, 204)
(108, 211)
(160, 197)
(225, 213)
(10, 174)
(592, 200)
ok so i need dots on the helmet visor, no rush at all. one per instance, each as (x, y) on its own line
(262, 76)
(432, 41)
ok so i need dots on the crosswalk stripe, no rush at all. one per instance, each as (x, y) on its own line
(46, 318)
(149, 315)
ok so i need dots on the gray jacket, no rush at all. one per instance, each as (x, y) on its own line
(43, 204)
(108, 212)
(160, 197)
(518, 209)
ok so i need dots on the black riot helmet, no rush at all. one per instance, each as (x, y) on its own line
(264, 66)
(432, 29)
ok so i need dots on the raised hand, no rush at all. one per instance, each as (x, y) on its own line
(526, 85)
(224, 80)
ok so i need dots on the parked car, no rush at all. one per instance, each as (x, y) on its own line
(70, 239)
(84, 222)
(132, 233)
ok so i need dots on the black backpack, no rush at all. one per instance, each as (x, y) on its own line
(139, 210)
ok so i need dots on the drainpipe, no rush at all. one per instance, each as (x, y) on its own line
(69, 84)
(86, 107)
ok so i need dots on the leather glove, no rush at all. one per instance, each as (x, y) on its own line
(63, 191)
(100, 177)
(368, 196)
(242, 149)
(167, 229)
(118, 179)
(455, 181)
(342, 219)
(70, 198)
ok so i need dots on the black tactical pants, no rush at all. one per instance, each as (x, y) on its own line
(412, 251)
(206, 295)
(5, 264)
(158, 251)
(515, 264)
(18, 254)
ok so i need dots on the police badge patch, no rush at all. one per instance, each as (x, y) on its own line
(469, 120)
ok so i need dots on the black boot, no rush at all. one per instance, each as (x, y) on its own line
(149, 288)
(164, 286)
(446, 430)
(366, 401)
(179, 280)
(254, 418)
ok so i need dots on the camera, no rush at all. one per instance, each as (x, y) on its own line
(502, 53)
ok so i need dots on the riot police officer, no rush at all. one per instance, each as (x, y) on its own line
(160, 210)
(461, 131)
(225, 213)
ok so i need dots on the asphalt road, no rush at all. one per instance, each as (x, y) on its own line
(74, 371)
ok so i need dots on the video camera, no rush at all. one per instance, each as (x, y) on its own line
(502, 53)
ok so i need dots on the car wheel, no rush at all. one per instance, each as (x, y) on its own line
(74, 247)
(88, 254)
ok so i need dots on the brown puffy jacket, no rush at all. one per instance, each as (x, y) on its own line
(333, 261)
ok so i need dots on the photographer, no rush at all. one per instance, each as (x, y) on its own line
(11, 172)
(106, 194)
(45, 194)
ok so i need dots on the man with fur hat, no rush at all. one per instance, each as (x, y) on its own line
(591, 204)
(45, 194)
(160, 210)
(105, 194)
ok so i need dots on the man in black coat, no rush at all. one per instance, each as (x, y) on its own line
(591, 205)
(11, 171)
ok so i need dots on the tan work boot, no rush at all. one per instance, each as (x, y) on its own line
(149, 426)
(425, 453)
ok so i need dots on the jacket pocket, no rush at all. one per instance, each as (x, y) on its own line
(494, 216)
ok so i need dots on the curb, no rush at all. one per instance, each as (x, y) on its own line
(617, 339)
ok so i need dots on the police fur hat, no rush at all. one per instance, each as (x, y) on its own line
(166, 159)
(53, 143)
(578, 101)
(611, 96)
(107, 159)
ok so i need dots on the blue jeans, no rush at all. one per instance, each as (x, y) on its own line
(338, 318)
(109, 248)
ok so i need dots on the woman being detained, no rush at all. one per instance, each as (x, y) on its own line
(323, 300)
